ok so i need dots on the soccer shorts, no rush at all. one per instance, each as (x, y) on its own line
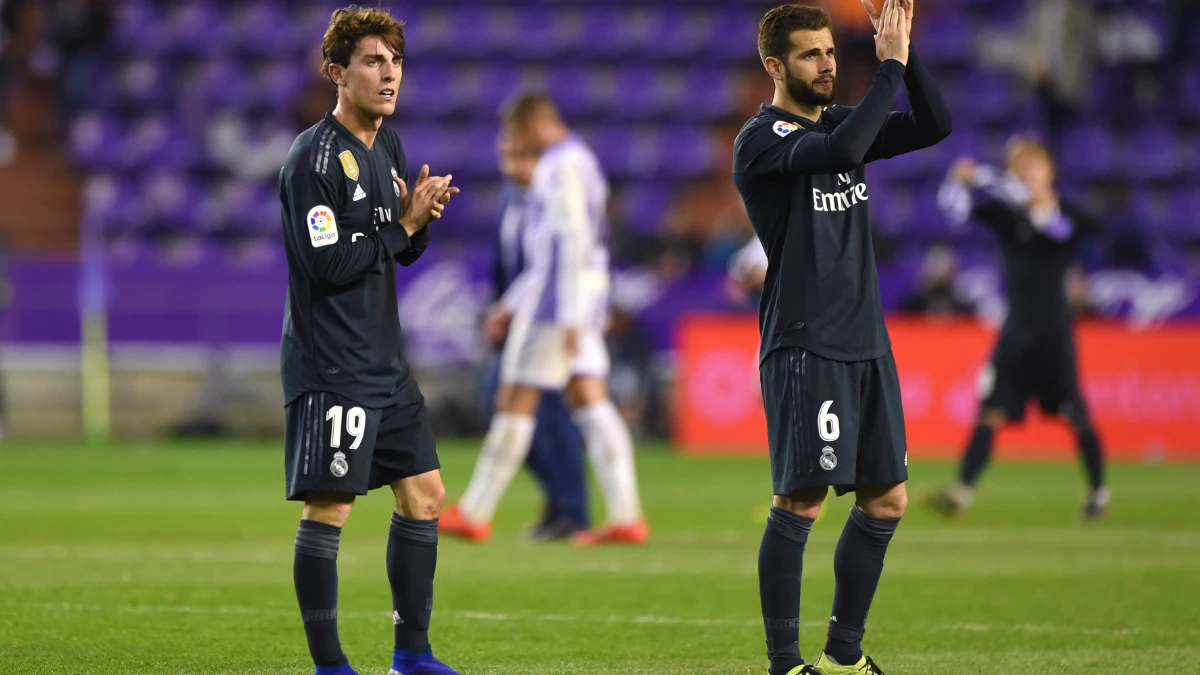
(335, 445)
(832, 422)
(535, 355)
(1020, 371)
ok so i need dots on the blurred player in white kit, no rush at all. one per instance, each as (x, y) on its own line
(555, 313)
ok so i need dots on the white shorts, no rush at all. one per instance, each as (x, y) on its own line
(535, 355)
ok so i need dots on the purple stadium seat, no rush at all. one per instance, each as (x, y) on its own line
(944, 38)
(1189, 92)
(159, 141)
(734, 34)
(641, 207)
(143, 82)
(95, 140)
(479, 155)
(275, 85)
(679, 34)
(1088, 152)
(215, 83)
(264, 217)
(605, 34)
(990, 97)
(112, 204)
(642, 93)
(578, 90)
(686, 151)
(1152, 207)
(1184, 211)
(138, 28)
(708, 93)
(1151, 153)
(309, 24)
(437, 145)
(927, 218)
(492, 87)
(490, 30)
(543, 34)
(263, 27)
(225, 204)
(429, 90)
(172, 202)
(196, 28)
(613, 147)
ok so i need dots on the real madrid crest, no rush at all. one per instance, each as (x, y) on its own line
(339, 467)
(828, 460)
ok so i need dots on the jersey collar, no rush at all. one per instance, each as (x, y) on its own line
(345, 133)
(768, 108)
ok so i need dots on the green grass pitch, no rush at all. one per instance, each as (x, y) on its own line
(176, 558)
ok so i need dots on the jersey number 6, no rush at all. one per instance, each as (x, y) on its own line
(356, 425)
(827, 423)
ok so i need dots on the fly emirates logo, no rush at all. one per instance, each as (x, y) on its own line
(840, 201)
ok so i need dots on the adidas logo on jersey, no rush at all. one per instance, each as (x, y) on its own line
(839, 201)
(359, 193)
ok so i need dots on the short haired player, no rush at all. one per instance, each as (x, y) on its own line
(356, 419)
(830, 386)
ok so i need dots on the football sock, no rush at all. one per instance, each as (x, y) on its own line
(411, 562)
(1089, 448)
(976, 457)
(314, 572)
(610, 450)
(780, 562)
(504, 450)
(857, 564)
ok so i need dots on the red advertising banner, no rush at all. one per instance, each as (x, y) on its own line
(1143, 388)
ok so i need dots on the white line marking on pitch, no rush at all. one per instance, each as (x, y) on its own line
(661, 620)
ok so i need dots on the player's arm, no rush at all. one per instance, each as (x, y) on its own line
(800, 152)
(417, 244)
(331, 257)
(927, 123)
(520, 288)
(981, 192)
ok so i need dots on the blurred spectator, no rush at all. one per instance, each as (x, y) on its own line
(21, 27)
(1128, 243)
(936, 294)
(630, 380)
(80, 33)
(1183, 31)
(1054, 53)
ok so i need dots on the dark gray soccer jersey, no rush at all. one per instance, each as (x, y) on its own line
(805, 191)
(1036, 259)
(341, 325)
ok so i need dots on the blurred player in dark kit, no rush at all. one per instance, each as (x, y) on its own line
(356, 419)
(1038, 234)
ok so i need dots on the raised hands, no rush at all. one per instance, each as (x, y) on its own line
(893, 28)
(427, 200)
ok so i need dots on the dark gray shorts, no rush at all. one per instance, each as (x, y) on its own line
(832, 422)
(1019, 372)
(335, 445)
